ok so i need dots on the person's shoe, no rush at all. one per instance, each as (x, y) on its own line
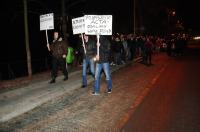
(52, 81)
(95, 93)
(83, 86)
(109, 91)
(65, 78)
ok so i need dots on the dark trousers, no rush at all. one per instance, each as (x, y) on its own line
(56, 62)
(148, 58)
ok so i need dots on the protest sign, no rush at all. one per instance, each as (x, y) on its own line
(98, 24)
(78, 25)
(46, 21)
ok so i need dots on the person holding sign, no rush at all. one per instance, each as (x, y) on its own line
(58, 50)
(89, 53)
(102, 63)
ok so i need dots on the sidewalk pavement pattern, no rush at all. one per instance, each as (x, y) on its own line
(25, 98)
(66, 107)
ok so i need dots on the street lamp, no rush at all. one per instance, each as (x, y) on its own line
(171, 13)
(134, 17)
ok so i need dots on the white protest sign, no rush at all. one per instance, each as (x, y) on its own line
(46, 21)
(98, 24)
(78, 25)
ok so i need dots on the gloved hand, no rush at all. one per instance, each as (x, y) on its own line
(48, 47)
(64, 56)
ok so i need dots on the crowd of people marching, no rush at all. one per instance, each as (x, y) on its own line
(127, 47)
(117, 49)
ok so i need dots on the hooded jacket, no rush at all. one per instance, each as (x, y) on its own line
(104, 50)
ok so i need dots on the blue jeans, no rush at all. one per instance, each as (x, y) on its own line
(86, 62)
(106, 68)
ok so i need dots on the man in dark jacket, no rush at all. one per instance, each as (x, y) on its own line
(103, 64)
(148, 51)
(59, 50)
(88, 55)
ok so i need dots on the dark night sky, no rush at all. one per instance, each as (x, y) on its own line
(151, 13)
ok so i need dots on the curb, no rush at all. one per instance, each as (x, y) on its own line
(43, 97)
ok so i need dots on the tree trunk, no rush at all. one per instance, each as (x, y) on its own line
(64, 21)
(28, 52)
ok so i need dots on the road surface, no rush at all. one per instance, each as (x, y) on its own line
(173, 104)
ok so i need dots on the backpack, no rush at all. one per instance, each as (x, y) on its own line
(70, 55)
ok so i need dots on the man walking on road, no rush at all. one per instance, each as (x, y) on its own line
(88, 56)
(58, 49)
(148, 51)
(103, 64)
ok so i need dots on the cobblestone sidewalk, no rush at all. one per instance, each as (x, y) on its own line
(79, 111)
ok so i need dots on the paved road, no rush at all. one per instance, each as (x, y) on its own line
(75, 109)
(24, 98)
(173, 104)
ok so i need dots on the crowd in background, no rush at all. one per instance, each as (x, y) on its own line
(126, 47)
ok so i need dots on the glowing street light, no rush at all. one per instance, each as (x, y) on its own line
(173, 13)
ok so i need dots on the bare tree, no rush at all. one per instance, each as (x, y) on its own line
(28, 52)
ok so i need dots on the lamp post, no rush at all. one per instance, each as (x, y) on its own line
(134, 21)
(170, 19)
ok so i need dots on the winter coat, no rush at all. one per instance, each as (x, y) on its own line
(91, 49)
(104, 50)
(58, 48)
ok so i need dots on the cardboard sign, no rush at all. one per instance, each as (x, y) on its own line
(46, 21)
(98, 24)
(78, 25)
